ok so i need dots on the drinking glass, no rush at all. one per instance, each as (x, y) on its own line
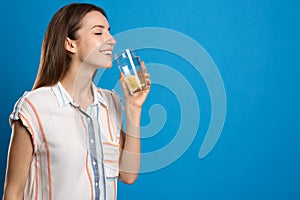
(130, 65)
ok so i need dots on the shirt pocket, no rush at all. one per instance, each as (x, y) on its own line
(111, 159)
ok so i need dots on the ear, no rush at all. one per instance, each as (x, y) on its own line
(70, 45)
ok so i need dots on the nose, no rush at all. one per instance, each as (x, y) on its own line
(111, 40)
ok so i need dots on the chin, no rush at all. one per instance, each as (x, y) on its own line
(107, 64)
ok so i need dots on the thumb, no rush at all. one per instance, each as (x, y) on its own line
(123, 84)
(122, 80)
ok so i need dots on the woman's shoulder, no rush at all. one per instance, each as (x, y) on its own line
(41, 93)
(38, 96)
(29, 99)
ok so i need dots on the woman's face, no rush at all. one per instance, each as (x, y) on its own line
(95, 43)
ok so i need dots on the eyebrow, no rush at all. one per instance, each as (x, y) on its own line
(100, 26)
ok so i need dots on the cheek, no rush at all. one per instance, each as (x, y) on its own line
(94, 57)
(85, 48)
(92, 44)
(89, 52)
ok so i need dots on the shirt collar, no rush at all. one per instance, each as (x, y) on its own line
(64, 98)
(98, 98)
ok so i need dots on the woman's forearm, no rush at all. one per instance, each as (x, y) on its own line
(130, 155)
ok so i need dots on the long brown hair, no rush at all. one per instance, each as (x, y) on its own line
(55, 59)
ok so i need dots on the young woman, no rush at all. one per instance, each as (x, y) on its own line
(67, 141)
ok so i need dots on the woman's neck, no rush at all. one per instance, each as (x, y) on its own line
(78, 83)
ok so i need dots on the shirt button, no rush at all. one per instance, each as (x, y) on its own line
(92, 141)
(97, 184)
(94, 162)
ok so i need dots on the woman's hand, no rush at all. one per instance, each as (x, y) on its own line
(138, 98)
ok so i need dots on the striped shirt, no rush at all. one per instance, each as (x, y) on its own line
(76, 152)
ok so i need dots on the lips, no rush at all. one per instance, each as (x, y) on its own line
(106, 52)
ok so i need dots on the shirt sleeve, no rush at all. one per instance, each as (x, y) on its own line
(23, 111)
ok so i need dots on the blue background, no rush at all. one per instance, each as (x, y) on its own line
(255, 45)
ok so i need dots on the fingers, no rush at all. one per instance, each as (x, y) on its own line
(121, 75)
(147, 78)
(143, 66)
(146, 75)
(122, 81)
(123, 84)
(148, 82)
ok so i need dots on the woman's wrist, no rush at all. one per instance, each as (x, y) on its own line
(133, 114)
(132, 107)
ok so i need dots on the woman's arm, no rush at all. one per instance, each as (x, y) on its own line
(130, 142)
(130, 146)
(18, 162)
